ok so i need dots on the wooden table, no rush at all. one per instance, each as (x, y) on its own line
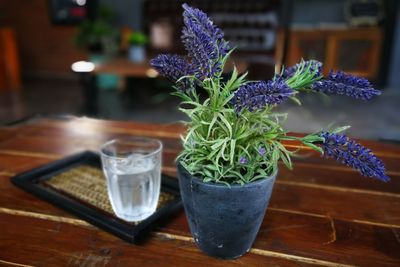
(320, 214)
(120, 66)
(123, 67)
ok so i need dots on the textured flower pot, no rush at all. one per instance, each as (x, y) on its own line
(224, 221)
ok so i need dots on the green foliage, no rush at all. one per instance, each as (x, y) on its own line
(97, 34)
(137, 38)
(217, 137)
(303, 77)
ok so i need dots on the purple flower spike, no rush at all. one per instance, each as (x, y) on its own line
(203, 41)
(341, 83)
(354, 155)
(313, 66)
(257, 95)
(173, 67)
(243, 160)
(261, 151)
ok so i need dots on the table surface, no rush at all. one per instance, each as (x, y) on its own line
(124, 67)
(321, 213)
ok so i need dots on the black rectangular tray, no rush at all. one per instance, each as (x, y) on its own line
(32, 182)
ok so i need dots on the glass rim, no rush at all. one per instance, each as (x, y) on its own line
(115, 140)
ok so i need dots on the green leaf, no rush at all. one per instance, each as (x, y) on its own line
(210, 127)
(315, 147)
(222, 151)
(232, 152)
(227, 124)
(218, 144)
(238, 82)
(233, 78)
(340, 129)
(295, 100)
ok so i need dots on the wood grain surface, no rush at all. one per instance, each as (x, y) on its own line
(320, 214)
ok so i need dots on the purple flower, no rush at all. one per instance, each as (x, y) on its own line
(311, 66)
(243, 160)
(341, 83)
(204, 42)
(352, 154)
(261, 151)
(173, 67)
(257, 95)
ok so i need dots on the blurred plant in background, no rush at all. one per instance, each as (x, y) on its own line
(138, 38)
(137, 50)
(98, 35)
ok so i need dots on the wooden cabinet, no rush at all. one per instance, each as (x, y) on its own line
(355, 51)
(10, 77)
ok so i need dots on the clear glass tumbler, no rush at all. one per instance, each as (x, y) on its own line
(132, 167)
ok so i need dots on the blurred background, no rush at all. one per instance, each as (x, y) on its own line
(90, 57)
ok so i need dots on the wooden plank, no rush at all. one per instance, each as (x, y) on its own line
(49, 243)
(308, 239)
(345, 205)
(93, 140)
(339, 176)
(7, 133)
(75, 144)
(334, 196)
(312, 157)
(320, 213)
(91, 126)
(291, 220)
(41, 130)
(91, 136)
(100, 126)
(305, 175)
(313, 230)
(318, 168)
(14, 164)
(320, 236)
(318, 228)
(294, 195)
(13, 197)
(16, 161)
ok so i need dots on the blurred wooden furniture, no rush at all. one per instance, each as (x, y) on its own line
(251, 27)
(320, 214)
(11, 105)
(124, 67)
(10, 74)
(120, 66)
(353, 50)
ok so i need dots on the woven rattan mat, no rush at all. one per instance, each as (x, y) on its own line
(88, 184)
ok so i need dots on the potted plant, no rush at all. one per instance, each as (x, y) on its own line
(234, 139)
(137, 52)
(97, 35)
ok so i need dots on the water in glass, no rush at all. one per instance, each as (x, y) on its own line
(133, 178)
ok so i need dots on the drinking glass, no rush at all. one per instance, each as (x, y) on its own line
(132, 167)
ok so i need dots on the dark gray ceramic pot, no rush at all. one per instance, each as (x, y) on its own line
(224, 221)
